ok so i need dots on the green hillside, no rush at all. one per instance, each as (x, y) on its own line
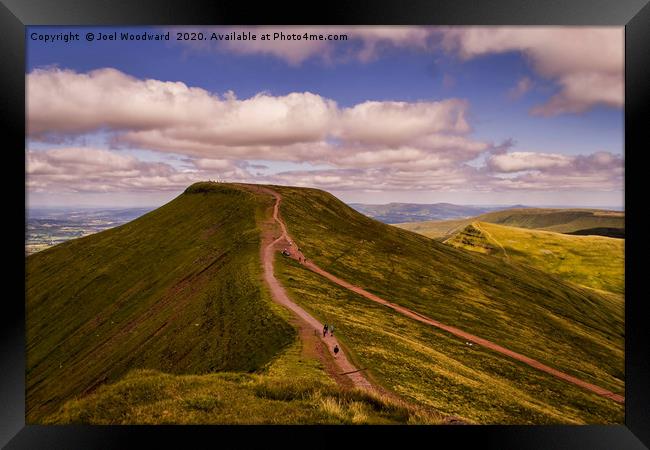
(166, 320)
(572, 329)
(609, 223)
(594, 261)
(291, 389)
(177, 290)
(432, 368)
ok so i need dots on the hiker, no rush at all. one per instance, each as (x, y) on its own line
(336, 349)
(325, 330)
(331, 330)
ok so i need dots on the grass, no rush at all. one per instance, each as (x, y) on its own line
(166, 320)
(593, 261)
(429, 367)
(268, 397)
(572, 329)
(177, 290)
(558, 220)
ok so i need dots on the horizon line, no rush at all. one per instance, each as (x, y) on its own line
(506, 205)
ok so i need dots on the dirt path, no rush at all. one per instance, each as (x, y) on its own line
(298, 256)
(310, 329)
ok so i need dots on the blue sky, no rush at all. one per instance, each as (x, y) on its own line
(557, 139)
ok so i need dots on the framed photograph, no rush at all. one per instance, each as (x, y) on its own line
(407, 221)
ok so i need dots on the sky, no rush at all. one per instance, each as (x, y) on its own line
(466, 115)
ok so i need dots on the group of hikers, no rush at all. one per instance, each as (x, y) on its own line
(286, 252)
(330, 328)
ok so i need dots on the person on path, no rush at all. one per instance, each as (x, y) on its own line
(325, 330)
(336, 350)
(331, 330)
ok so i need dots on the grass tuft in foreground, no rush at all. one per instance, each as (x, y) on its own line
(308, 397)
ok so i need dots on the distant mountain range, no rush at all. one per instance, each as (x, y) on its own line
(580, 221)
(416, 212)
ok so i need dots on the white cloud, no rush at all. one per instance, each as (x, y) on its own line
(600, 171)
(73, 169)
(213, 164)
(400, 122)
(373, 145)
(587, 63)
(379, 179)
(63, 101)
(520, 161)
(96, 170)
(173, 117)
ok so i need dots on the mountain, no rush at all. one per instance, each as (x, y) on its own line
(166, 319)
(175, 290)
(415, 212)
(594, 261)
(568, 327)
(574, 221)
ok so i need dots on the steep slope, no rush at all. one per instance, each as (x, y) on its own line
(608, 223)
(433, 368)
(593, 261)
(177, 290)
(575, 330)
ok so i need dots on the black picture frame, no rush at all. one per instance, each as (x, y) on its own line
(15, 15)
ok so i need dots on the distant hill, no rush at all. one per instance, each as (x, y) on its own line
(603, 231)
(594, 261)
(415, 212)
(575, 221)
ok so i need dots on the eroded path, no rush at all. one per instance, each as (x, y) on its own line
(340, 362)
(285, 240)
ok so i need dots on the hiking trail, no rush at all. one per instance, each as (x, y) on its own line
(359, 379)
(343, 365)
(298, 256)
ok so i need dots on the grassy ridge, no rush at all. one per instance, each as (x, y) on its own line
(177, 290)
(291, 389)
(558, 220)
(434, 368)
(594, 261)
(572, 329)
